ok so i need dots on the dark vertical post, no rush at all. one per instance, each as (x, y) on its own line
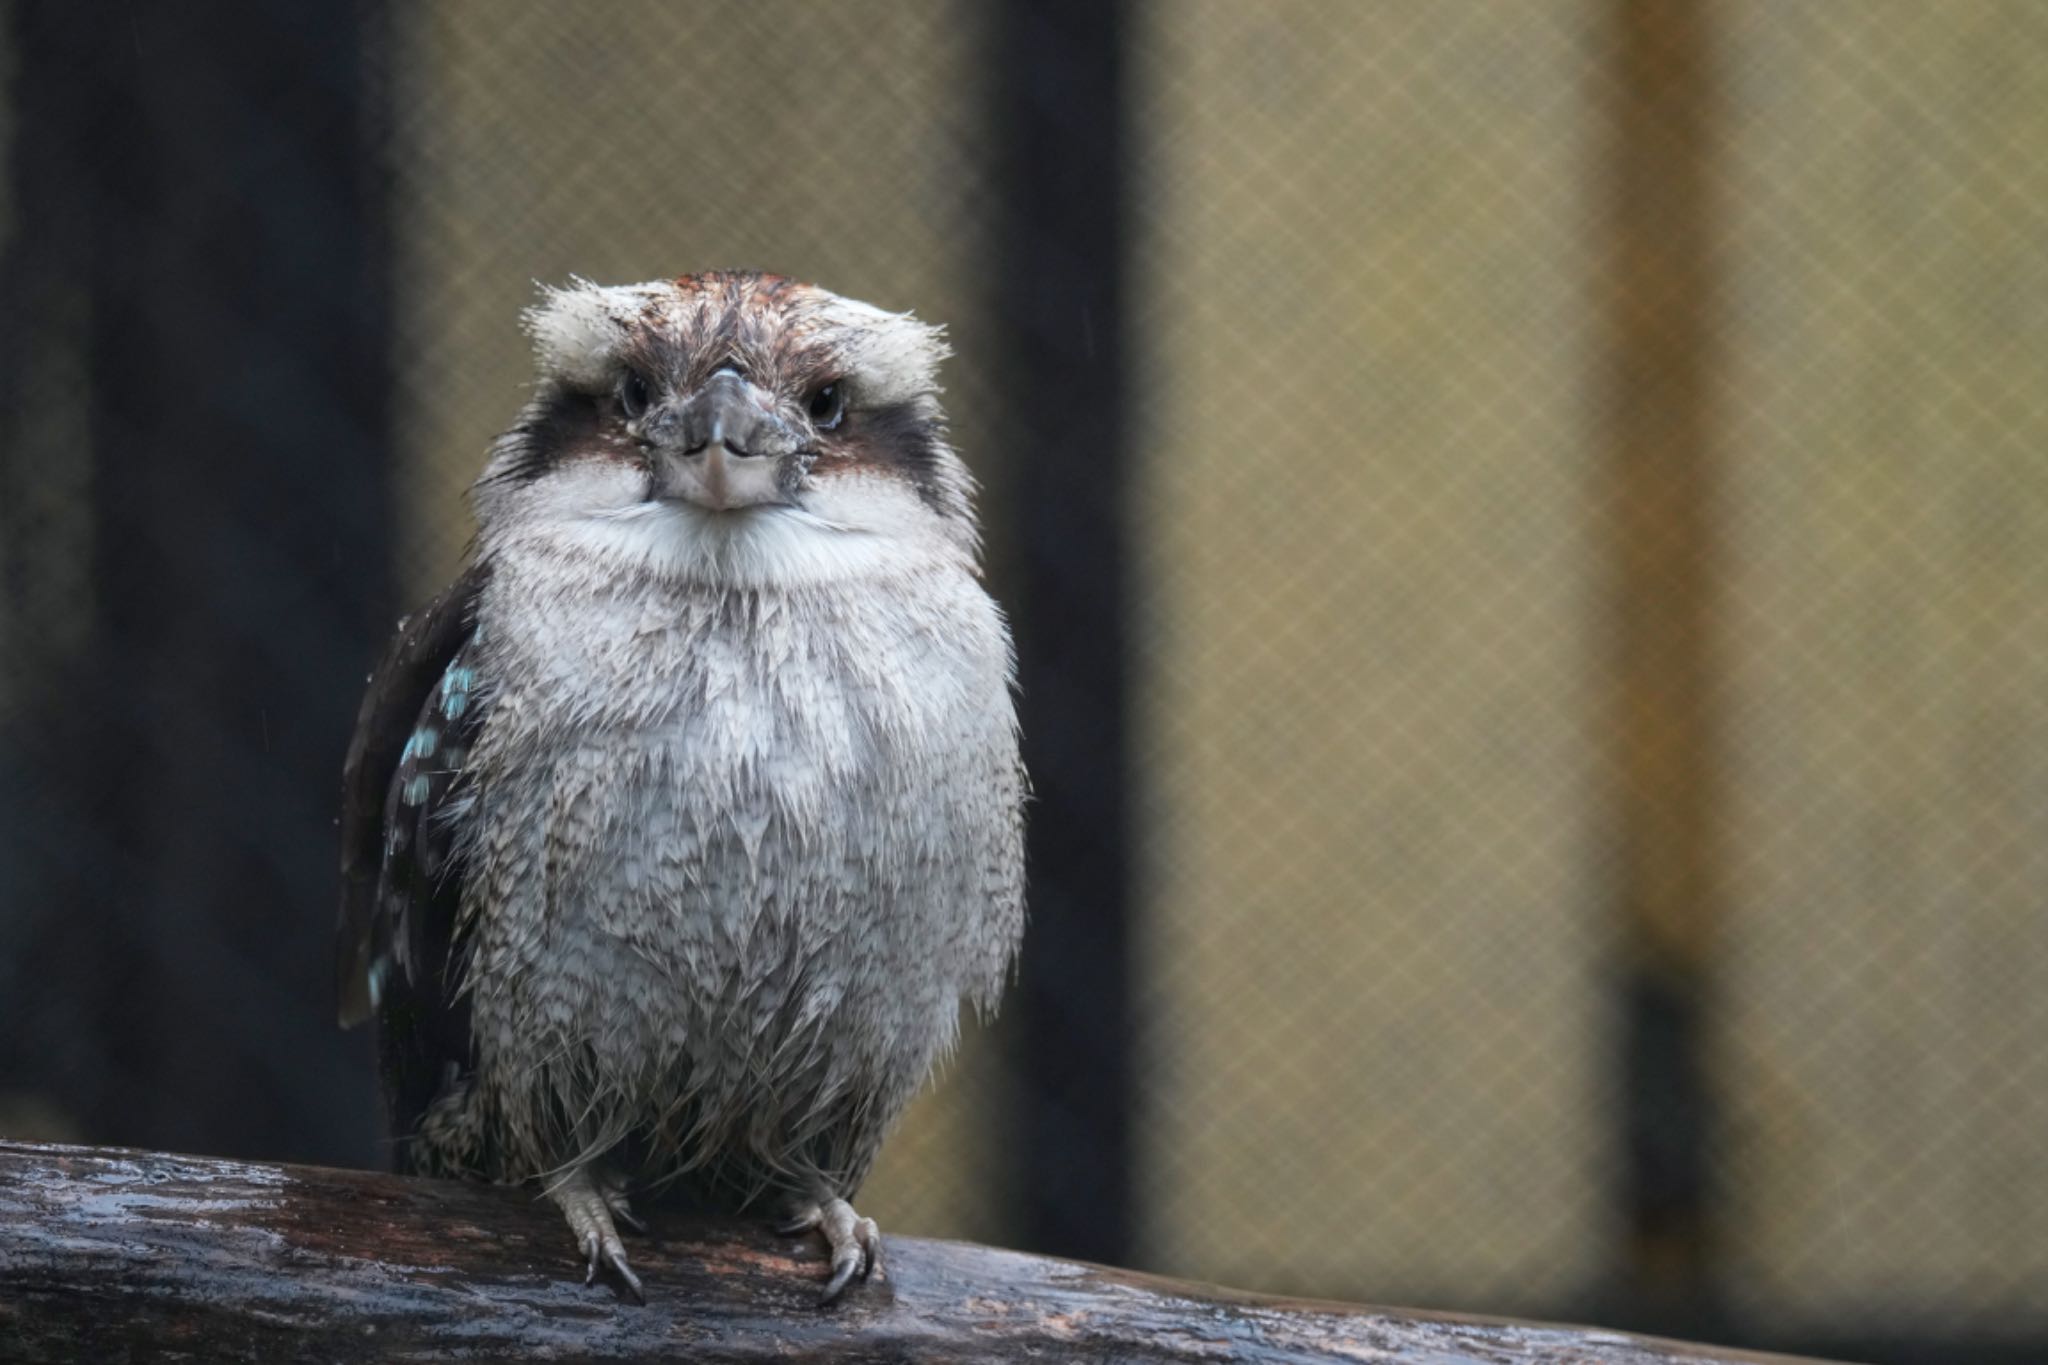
(54, 883)
(1060, 281)
(1661, 363)
(233, 271)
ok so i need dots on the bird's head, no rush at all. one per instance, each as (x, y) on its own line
(720, 424)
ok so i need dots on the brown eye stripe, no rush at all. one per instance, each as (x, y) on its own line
(564, 425)
(904, 439)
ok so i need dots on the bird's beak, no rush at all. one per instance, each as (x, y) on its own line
(722, 447)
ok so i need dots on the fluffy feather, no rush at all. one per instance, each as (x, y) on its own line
(578, 330)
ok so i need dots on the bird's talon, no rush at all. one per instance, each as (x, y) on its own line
(854, 1242)
(842, 1276)
(590, 1209)
(870, 1246)
(627, 1277)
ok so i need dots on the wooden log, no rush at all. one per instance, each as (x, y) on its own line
(108, 1255)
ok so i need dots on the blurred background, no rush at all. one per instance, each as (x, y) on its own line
(1527, 527)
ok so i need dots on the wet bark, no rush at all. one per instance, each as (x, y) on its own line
(107, 1255)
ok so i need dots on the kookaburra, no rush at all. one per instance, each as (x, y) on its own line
(679, 828)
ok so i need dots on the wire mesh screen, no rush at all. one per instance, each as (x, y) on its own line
(1886, 658)
(1588, 631)
(1366, 579)
(1378, 519)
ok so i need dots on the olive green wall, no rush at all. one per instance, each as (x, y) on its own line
(1886, 521)
(1370, 946)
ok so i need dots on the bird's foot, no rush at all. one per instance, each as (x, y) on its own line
(590, 1202)
(854, 1242)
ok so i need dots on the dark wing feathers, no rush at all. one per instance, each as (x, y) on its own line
(417, 720)
(401, 891)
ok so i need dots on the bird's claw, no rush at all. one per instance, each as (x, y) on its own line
(855, 1243)
(615, 1257)
(589, 1207)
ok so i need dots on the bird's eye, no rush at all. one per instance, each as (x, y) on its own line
(828, 405)
(633, 394)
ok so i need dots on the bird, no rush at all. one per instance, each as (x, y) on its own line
(681, 828)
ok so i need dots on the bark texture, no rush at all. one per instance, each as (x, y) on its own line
(110, 1255)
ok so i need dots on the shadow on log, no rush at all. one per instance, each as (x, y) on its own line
(108, 1254)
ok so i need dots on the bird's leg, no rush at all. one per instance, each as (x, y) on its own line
(589, 1201)
(854, 1242)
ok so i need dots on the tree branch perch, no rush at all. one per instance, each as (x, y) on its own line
(108, 1254)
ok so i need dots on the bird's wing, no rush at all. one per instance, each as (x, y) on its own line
(399, 891)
